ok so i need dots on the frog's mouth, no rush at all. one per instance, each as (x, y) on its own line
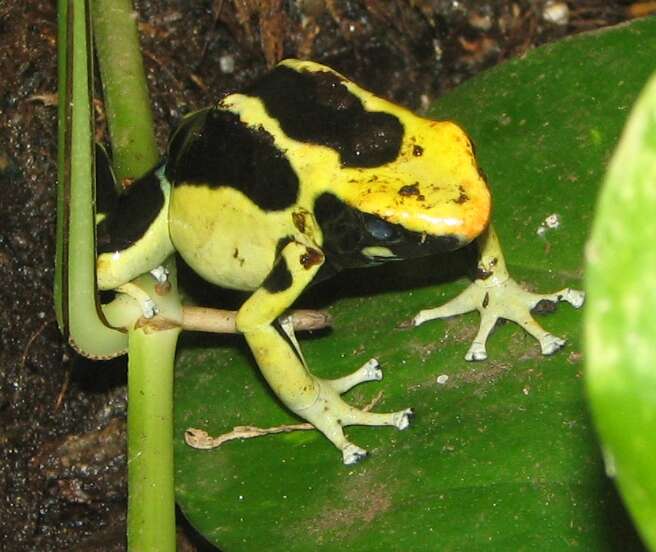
(385, 241)
(416, 244)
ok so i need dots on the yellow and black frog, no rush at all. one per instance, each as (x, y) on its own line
(302, 175)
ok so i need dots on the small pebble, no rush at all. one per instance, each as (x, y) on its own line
(442, 379)
(482, 22)
(556, 13)
(550, 223)
(227, 64)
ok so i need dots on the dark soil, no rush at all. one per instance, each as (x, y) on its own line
(62, 436)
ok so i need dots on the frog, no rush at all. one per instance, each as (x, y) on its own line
(299, 176)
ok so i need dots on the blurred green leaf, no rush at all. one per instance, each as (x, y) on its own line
(503, 455)
(620, 322)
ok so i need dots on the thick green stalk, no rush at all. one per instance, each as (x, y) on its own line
(151, 344)
(127, 103)
(151, 356)
(151, 503)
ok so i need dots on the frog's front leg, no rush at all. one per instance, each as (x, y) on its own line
(280, 360)
(495, 295)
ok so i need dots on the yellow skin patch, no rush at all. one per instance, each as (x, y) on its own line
(230, 241)
(436, 155)
(119, 267)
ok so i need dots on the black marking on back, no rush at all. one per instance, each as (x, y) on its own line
(279, 279)
(215, 148)
(316, 107)
(135, 211)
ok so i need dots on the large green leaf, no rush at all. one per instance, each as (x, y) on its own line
(503, 455)
(620, 322)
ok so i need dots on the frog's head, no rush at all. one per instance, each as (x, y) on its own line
(432, 198)
(382, 229)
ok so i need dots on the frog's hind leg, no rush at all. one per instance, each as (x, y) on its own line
(281, 361)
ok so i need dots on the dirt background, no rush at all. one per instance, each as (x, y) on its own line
(62, 418)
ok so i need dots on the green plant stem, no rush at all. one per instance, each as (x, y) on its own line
(75, 277)
(125, 89)
(151, 502)
(151, 348)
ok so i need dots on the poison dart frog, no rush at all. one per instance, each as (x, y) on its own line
(300, 176)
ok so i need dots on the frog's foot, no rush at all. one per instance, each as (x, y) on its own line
(506, 300)
(330, 414)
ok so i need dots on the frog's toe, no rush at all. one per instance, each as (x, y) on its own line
(149, 308)
(551, 343)
(160, 273)
(470, 299)
(352, 454)
(574, 297)
(369, 371)
(403, 418)
(477, 351)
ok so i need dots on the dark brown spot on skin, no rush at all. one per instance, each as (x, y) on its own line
(544, 306)
(482, 274)
(486, 300)
(311, 257)
(127, 182)
(412, 190)
(299, 221)
(163, 288)
(417, 151)
(235, 255)
(462, 198)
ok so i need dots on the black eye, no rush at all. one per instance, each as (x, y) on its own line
(379, 229)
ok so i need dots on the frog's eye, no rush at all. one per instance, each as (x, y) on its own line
(379, 229)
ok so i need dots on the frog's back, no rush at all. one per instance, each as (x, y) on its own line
(232, 189)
